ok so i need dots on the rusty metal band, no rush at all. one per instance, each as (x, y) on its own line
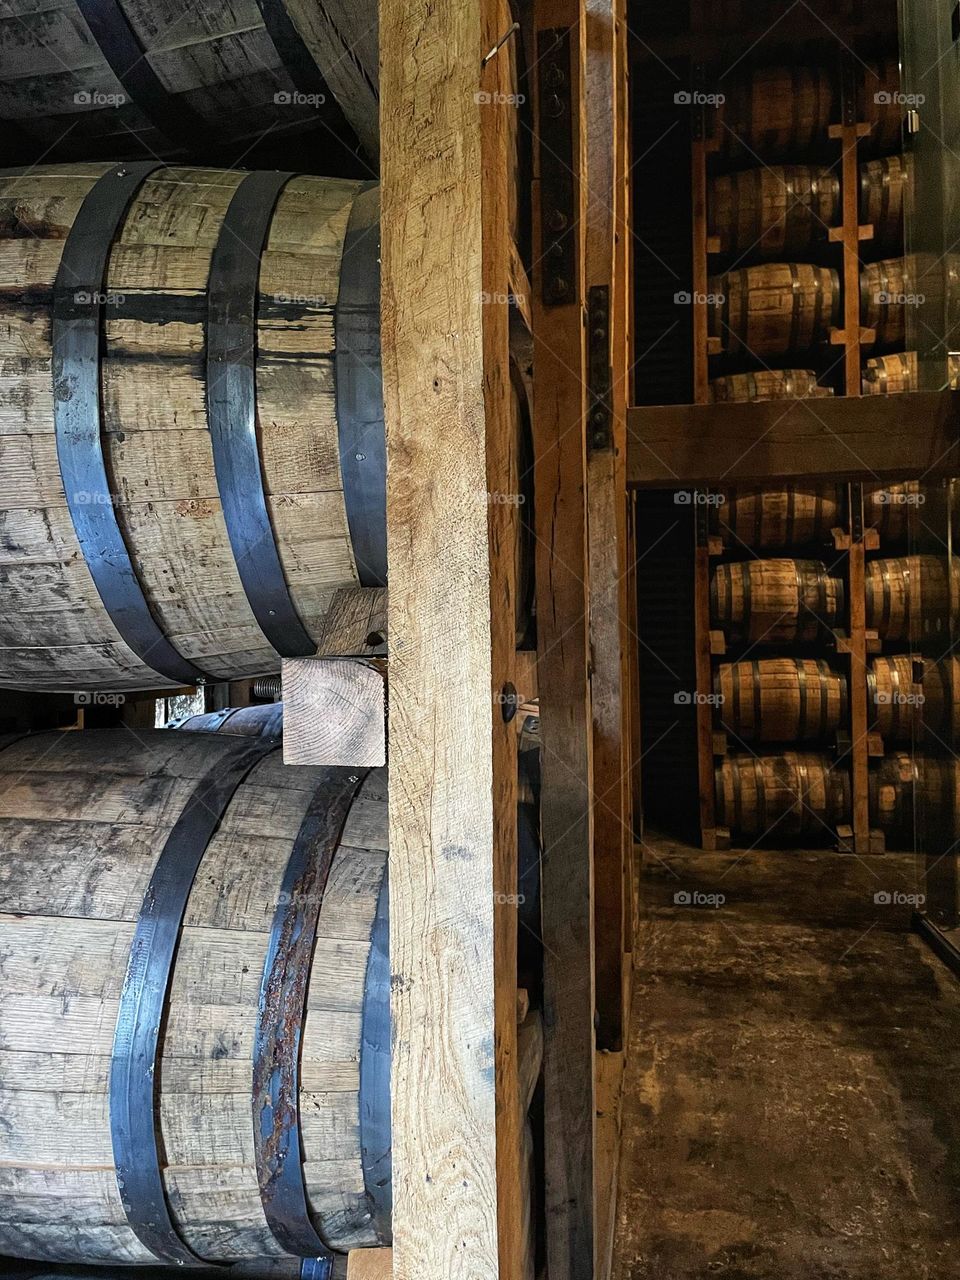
(129, 61)
(231, 394)
(280, 1016)
(77, 339)
(143, 1004)
(376, 1141)
(359, 383)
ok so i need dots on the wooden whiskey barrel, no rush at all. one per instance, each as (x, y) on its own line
(774, 601)
(890, 375)
(122, 77)
(883, 185)
(914, 795)
(781, 797)
(911, 598)
(777, 519)
(877, 105)
(192, 455)
(886, 289)
(904, 707)
(185, 1072)
(891, 508)
(768, 384)
(775, 309)
(777, 111)
(780, 699)
(779, 212)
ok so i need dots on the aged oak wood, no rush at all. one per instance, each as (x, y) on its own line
(334, 712)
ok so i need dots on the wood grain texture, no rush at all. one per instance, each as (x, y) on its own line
(607, 521)
(218, 61)
(872, 438)
(334, 712)
(370, 1264)
(54, 629)
(84, 816)
(566, 724)
(451, 621)
(356, 624)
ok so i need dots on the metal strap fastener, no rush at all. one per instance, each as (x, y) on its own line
(129, 61)
(77, 329)
(143, 1000)
(376, 1141)
(282, 1007)
(359, 381)
(231, 394)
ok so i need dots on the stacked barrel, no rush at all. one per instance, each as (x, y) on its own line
(780, 704)
(774, 197)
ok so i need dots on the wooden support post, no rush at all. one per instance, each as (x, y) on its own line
(560, 379)
(453, 792)
(606, 523)
(334, 712)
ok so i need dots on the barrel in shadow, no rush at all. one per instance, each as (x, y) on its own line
(779, 518)
(774, 799)
(911, 697)
(773, 212)
(780, 700)
(774, 310)
(914, 800)
(912, 599)
(768, 384)
(775, 601)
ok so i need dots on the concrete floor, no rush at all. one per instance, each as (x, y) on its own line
(791, 1105)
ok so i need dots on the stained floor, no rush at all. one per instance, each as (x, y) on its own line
(792, 1095)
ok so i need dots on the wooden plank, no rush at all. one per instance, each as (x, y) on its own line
(566, 719)
(609, 1111)
(334, 712)
(606, 526)
(456, 1153)
(370, 1264)
(356, 624)
(899, 437)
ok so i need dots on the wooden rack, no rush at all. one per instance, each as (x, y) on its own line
(852, 542)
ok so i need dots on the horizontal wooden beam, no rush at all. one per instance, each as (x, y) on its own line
(903, 437)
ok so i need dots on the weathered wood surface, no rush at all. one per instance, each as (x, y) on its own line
(82, 820)
(457, 1142)
(217, 61)
(566, 716)
(884, 437)
(334, 712)
(356, 624)
(54, 630)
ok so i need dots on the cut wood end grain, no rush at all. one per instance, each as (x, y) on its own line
(334, 712)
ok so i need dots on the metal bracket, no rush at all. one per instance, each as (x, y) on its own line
(557, 186)
(600, 373)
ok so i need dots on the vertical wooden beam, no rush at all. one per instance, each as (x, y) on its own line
(606, 522)
(566, 721)
(456, 1147)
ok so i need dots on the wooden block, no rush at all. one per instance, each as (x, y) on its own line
(718, 642)
(713, 244)
(719, 743)
(714, 346)
(875, 745)
(356, 625)
(370, 1264)
(871, 539)
(334, 712)
(714, 545)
